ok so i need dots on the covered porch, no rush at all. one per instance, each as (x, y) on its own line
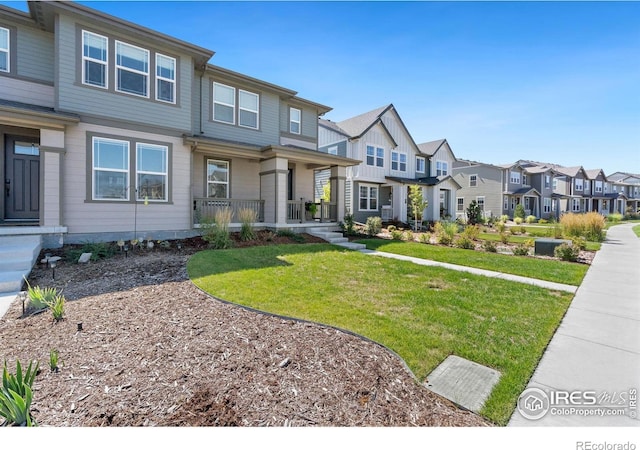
(277, 183)
(529, 198)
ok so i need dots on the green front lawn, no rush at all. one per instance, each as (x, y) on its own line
(636, 230)
(422, 313)
(542, 269)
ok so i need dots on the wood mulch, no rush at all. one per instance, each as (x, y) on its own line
(156, 351)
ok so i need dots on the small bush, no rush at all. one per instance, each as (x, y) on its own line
(98, 250)
(567, 252)
(216, 233)
(464, 242)
(391, 228)
(291, 235)
(247, 218)
(471, 232)
(489, 246)
(504, 237)
(425, 238)
(614, 218)
(504, 218)
(40, 298)
(348, 224)
(531, 219)
(408, 236)
(579, 242)
(57, 307)
(396, 235)
(500, 227)
(518, 220)
(445, 232)
(373, 226)
(543, 221)
(521, 250)
(519, 212)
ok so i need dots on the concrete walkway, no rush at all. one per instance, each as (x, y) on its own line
(483, 272)
(597, 346)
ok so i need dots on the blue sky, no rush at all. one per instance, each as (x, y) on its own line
(551, 81)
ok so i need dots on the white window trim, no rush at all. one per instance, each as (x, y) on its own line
(161, 78)
(292, 121)
(376, 158)
(459, 204)
(546, 204)
(443, 168)
(369, 186)
(7, 50)
(514, 179)
(146, 74)
(580, 186)
(575, 205)
(217, 161)
(598, 187)
(94, 168)
(476, 180)
(505, 203)
(165, 174)
(257, 111)
(398, 161)
(97, 61)
(525, 180)
(333, 150)
(424, 164)
(214, 102)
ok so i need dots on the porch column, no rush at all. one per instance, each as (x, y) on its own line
(51, 176)
(337, 179)
(273, 189)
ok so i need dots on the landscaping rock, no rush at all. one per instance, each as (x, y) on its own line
(84, 258)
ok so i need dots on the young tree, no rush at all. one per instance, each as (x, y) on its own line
(474, 213)
(417, 203)
(326, 192)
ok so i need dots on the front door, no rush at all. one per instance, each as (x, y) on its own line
(21, 178)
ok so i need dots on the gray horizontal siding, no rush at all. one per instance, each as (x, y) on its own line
(489, 186)
(35, 58)
(342, 148)
(73, 96)
(309, 120)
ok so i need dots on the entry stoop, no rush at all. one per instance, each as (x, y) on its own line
(335, 238)
(18, 254)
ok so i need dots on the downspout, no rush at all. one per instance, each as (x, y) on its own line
(201, 102)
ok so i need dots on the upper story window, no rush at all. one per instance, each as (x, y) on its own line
(4, 50)
(165, 78)
(248, 110)
(110, 169)
(224, 103)
(587, 185)
(295, 119)
(514, 177)
(375, 156)
(442, 168)
(398, 161)
(94, 59)
(152, 174)
(578, 184)
(555, 184)
(606, 187)
(524, 180)
(420, 164)
(132, 69)
(333, 150)
(547, 182)
(473, 180)
(598, 186)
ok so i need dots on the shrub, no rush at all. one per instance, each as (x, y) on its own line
(16, 395)
(291, 235)
(373, 225)
(579, 242)
(543, 221)
(425, 238)
(396, 235)
(521, 250)
(614, 218)
(471, 232)
(216, 233)
(519, 212)
(504, 237)
(504, 218)
(247, 218)
(40, 298)
(489, 246)
(474, 213)
(518, 220)
(408, 236)
(98, 250)
(445, 232)
(531, 219)
(391, 228)
(566, 252)
(590, 225)
(464, 242)
(348, 224)
(57, 307)
(501, 227)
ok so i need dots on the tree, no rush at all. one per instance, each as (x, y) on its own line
(326, 192)
(519, 212)
(474, 213)
(417, 203)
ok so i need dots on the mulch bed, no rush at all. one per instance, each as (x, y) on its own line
(156, 351)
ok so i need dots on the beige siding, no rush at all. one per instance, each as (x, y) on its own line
(244, 177)
(83, 216)
(51, 189)
(26, 92)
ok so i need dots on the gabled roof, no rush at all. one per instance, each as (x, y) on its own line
(332, 126)
(424, 181)
(524, 191)
(571, 171)
(430, 148)
(593, 174)
(359, 125)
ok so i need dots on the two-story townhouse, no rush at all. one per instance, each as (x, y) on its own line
(390, 161)
(110, 130)
(518, 190)
(570, 185)
(480, 182)
(598, 192)
(541, 178)
(628, 185)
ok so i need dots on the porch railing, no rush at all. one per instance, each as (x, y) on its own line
(206, 208)
(297, 211)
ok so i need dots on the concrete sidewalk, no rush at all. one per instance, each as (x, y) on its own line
(597, 346)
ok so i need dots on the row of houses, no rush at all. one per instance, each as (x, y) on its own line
(110, 130)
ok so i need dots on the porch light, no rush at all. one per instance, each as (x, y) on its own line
(126, 251)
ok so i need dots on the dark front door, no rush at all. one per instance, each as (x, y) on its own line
(21, 178)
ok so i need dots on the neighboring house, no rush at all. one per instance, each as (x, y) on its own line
(541, 178)
(627, 187)
(480, 182)
(109, 129)
(390, 161)
(599, 193)
(519, 190)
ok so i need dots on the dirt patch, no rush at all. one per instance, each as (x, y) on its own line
(156, 351)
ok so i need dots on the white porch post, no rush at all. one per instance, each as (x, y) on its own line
(337, 179)
(273, 189)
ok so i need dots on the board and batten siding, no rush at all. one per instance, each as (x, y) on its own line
(489, 186)
(445, 155)
(81, 215)
(106, 103)
(378, 138)
(405, 145)
(268, 132)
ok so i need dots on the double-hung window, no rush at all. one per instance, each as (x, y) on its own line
(375, 156)
(132, 69)
(547, 181)
(546, 204)
(420, 164)
(514, 177)
(575, 205)
(524, 180)
(442, 168)
(598, 186)
(398, 161)
(368, 198)
(217, 178)
(94, 59)
(151, 172)
(295, 119)
(578, 184)
(460, 204)
(4, 50)
(110, 169)
(165, 78)
(480, 201)
(224, 103)
(473, 180)
(587, 186)
(248, 109)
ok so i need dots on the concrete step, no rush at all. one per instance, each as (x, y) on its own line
(18, 254)
(352, 245)
(12, 281)
(330, 236)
